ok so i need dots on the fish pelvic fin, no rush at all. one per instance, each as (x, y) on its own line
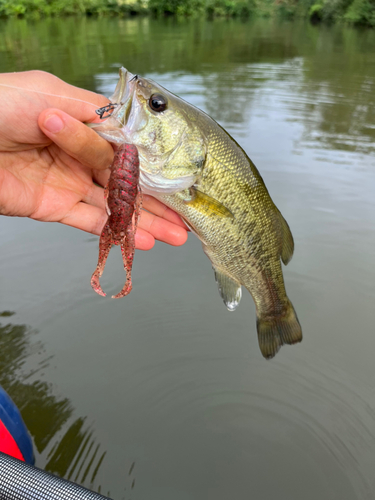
(277, 331)
(287, 243)
(230, 291)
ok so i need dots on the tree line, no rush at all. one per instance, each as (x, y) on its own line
(358, 12)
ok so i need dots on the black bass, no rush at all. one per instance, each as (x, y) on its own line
(194, 166)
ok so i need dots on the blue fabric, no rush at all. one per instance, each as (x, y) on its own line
(11, 418)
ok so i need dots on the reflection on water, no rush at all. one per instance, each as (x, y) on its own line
(68, 444)
(333, 98)
(167, 378)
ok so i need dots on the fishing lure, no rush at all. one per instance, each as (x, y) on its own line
(123, 203)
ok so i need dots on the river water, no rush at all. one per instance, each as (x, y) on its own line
(164, 395)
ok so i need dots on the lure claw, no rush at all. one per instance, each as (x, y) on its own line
(96, 285)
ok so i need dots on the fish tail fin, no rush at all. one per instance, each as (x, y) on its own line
(277, 331)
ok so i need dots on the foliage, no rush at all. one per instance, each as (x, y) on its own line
(351, 11)
(361, 12)
(178, 7)
(38, 8)
(316, 12)
(230, 8)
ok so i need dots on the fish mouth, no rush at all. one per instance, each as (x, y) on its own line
(118, 127)
(124, 87)
(124, 100)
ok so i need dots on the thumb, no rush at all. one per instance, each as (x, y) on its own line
(76, 139)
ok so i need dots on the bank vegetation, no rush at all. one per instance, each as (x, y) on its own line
(358, 12)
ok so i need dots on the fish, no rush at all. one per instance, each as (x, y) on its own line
(192, 165)
(123, 197)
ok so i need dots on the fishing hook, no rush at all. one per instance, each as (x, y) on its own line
(106, 109)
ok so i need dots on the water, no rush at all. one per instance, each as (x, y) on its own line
(164, 394)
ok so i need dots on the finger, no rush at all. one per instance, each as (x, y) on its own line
(76, 139)
(80, 103)
(75, 101)
(101, 176)
(144, 240)
(95, 197)
(158, 208)
(162, 229)
(149, 202)
(39, 90)
(85, 217)
(92, 219)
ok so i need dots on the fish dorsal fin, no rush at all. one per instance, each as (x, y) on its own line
(287, 243)
(229, 290)
(206, 204)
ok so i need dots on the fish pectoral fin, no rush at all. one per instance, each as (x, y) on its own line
(287, 243)
(230, 291)
(206, 204)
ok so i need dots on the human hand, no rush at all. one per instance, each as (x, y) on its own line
(53, 167)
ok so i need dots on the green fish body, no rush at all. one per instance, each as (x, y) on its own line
(195, 167)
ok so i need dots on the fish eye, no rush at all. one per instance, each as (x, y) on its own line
(158, 102)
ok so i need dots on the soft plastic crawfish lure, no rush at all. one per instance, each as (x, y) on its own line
(123, 202)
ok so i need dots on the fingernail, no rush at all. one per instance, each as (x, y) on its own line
(54, 124)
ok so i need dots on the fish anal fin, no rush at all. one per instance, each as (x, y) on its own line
(287, 243)
(277, 331)
(230, 291)
(206, 204)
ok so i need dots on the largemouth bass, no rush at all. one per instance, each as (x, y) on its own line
(194, 166)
